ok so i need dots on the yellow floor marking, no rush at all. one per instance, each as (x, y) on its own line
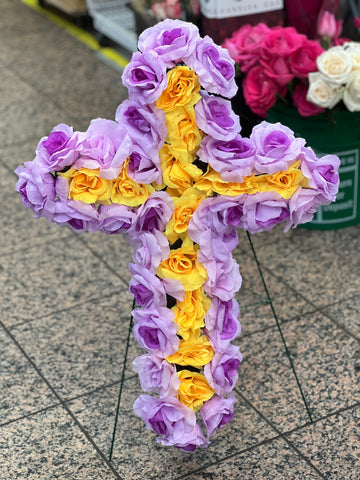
(80, 34)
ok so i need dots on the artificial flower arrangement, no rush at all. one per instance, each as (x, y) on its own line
(174, 175)
(281, 65)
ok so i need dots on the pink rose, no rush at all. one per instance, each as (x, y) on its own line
(305, 108)
(277, 68)
(303, 60)
(282, 41)
(260, 91)
(328, 26)
(245, 45)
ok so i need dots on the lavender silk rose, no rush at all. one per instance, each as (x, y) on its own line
(276, 147)
(172, 421)
(145, 77)
(154, 214)
(215, 117)
(144, 124)
(146, 287)
(221, 372)
(104, 146)
(155, 330)
(59, 149)
(233, 159)
(171, 40)
(214, 67)
(156, 375)
(217, 412)
(150, 248)
(221, 323)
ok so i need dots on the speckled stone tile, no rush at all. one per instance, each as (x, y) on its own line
(12, 88)
(21, 230)
(49, 445)
(14, 155)
(320, 265)
(15, 126)
(23, 20)
(50, 277)
(255, 309)
(346, 314)
(324, 358)
(82, 348)
(113, 249)
(272, 461)
(22, 389)
(332, 445)
(136, 454)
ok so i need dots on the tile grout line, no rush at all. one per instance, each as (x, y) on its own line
(315, 307)
(228, 457)
(63, 404)
(67, 400)
(282, 435)
(55, 312)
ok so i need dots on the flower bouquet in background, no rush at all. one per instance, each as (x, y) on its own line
(174, 175)
(313, 87)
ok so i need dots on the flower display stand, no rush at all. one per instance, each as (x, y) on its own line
(337, 134)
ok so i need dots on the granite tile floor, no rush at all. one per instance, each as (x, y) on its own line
(65, 315)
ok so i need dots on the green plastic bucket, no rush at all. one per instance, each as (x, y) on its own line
(342, 137)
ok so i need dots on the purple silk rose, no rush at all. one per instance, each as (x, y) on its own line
(145, 77)
(217, 412)
(144, 165)
(233, 159)
(156, 375)
(146, 287)
(172, 40)
(214, 67)
(276, 147)
(215, 117)
(303, 204)
(144, 124)
(59, 149)
(322, 173)
(115, 218)
(262, 211)
(154, 214)
(106, 146)
(221, 323)
(224, 278)
(155, 330)
(221, 372)
(150, 248)
(172, 421)
(79, 216)
(36, 187)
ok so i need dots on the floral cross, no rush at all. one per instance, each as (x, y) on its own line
(174, 175)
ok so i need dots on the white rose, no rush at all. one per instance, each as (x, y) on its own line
(335, 64)
(353, 49)
(351, 96)
(321, 93)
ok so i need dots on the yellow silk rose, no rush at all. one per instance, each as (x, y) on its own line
(190, 314)
(182, 265)
(182, 129)
(185, 207)
(182, 89)
(128, 192)
(196, 352)
(194, 389)
(212, 182)
(86, 186)
(178, 170)
(285, 182)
